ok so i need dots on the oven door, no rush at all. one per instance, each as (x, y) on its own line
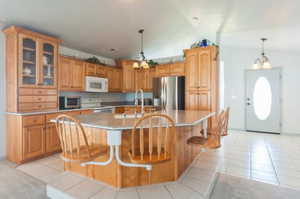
(96, 84)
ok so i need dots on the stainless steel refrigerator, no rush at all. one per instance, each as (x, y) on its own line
(169, 92)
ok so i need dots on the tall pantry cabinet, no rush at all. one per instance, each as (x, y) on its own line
(202, 80)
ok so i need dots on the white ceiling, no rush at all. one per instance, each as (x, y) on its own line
(96, 26)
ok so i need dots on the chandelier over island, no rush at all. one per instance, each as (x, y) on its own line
(143, 63)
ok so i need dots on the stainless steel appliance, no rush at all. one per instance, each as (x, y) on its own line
(96, 84)
(170, 91)
(69, 102)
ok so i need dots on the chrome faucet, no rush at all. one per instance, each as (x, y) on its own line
(136, 102)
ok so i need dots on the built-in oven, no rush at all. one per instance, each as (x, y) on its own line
(96, 84)
(69, 102)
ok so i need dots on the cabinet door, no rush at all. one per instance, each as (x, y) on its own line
(65, 73)
(198, 100)
(52, 139)
(33, 142)
(101, 71)
(77, 76)
(28, 61)
(140, 79)
(150, 79)
(177, 69)
(118, 80)
(48, 63)
(192, 70)
(204, 72)
(90, 69)
(163, 70)
(128, 78)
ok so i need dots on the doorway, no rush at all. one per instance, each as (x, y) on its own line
(263, 100)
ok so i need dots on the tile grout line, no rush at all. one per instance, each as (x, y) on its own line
(168, 191)
(272, 163)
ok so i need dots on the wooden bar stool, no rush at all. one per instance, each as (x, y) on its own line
(213, 140)
(77, 146)
(151, 140)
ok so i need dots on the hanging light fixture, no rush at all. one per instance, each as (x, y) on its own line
(262, 62)
(143, 63)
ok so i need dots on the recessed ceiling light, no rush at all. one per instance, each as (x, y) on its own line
(195, 18)
(112, 50)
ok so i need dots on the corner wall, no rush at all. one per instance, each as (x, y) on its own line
(237, 60)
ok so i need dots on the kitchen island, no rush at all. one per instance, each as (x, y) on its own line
(100, 125)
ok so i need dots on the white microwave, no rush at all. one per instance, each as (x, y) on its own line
(96, 84)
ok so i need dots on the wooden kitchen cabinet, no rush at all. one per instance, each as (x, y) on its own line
(114, 76)
(202, 80)
(52, 139)
(32, 64)
(95, 70)
(162, 70)
(71, 74)
(171, 69)
(33, 141)
(128, 76)
(144, 79)
(33, 136)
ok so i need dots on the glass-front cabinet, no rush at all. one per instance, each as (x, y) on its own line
(49, 64)
(38, 62)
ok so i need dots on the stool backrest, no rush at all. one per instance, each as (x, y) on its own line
(152, 135)
(72, 137)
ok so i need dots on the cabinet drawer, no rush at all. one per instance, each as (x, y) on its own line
(27, 107)
(24, 99)
(31, 91)
(33, 120)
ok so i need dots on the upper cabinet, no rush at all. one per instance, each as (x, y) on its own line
(114, 76)
(37, 62)
(128, 76)
(31, 63)
(95, 70)
(201, 69)
(71, 74)
(171, 69)
(198, 69)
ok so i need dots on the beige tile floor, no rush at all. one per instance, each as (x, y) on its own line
(268, 158)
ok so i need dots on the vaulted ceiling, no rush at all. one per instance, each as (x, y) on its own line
(96, 26)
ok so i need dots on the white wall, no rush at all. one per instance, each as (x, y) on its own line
(236, 60)
(82, 55)
(2, 96)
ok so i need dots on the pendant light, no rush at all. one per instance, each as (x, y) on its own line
(263, 62)
(143, 64)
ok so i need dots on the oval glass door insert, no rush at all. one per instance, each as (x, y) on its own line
(262, 98)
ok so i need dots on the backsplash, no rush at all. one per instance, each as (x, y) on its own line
(105, 97)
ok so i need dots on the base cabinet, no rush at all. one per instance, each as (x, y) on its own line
(34, 141)
(52, 139)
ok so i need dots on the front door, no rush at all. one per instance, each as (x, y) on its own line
(263, 104)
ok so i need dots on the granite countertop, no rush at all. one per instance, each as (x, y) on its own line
(114, 105)
(109, 122)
